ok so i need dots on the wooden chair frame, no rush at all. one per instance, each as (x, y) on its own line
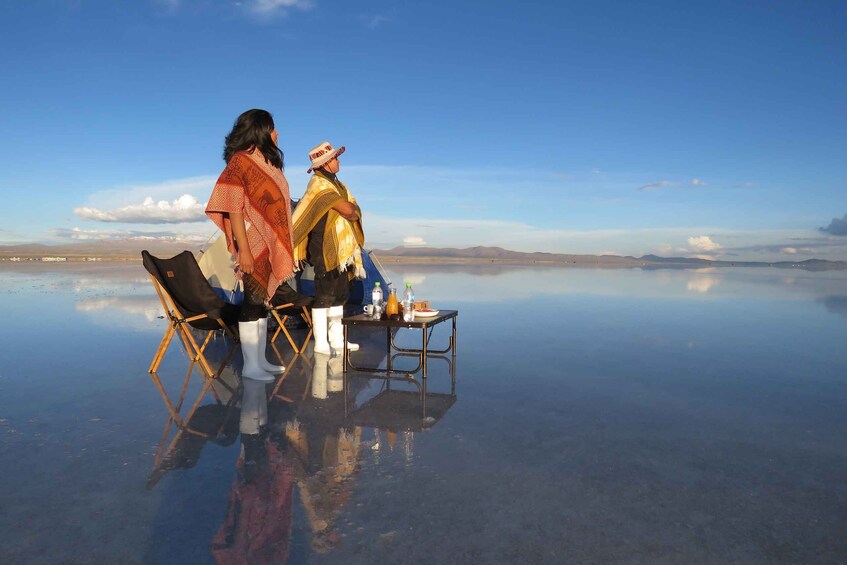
(179, 324)
(280, 320)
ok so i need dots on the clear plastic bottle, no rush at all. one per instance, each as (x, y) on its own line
(409, 304)
(376, 300)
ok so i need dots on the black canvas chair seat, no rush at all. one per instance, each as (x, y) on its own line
(188, 300)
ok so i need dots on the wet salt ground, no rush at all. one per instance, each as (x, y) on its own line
(602, 416)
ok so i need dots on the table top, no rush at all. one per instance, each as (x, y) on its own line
(419, 322)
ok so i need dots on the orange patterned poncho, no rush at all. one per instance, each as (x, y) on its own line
(253, 187)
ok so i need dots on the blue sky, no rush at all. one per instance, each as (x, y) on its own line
(712, 129)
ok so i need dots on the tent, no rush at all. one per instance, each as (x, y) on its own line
(216, 263)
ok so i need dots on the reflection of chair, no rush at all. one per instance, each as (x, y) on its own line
(288, 302)
(188, 300)
(211, 422)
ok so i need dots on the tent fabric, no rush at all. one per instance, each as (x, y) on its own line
(360, 289)
(217, 265)
(216, 268)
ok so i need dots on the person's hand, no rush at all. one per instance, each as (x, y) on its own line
(245, 261)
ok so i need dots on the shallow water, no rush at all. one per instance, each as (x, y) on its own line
(601, 416)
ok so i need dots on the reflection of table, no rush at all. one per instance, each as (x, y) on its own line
(426, 327)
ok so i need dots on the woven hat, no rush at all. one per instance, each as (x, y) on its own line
(322, 154)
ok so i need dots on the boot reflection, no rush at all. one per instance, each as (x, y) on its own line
(258, 523)
(319, 376)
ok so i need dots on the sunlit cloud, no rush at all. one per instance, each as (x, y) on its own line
(184, 209)
(698, 182)
(703, 243)
(413, 241)
(119, 196)
(838, 226)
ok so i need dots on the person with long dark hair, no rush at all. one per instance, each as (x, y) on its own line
(252, 188)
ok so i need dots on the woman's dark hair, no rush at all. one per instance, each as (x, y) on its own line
(253, 129)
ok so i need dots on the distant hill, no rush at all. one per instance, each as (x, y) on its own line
(130, 249)
(104, 249)
(498, 254)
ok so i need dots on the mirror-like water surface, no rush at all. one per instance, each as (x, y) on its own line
(600, 416)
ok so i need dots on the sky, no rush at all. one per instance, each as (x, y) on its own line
(712, 129)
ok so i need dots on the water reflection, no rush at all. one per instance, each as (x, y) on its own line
(835, 304)
(611, 414)
(298, 449)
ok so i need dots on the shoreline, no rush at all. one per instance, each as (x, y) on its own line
(571, 262)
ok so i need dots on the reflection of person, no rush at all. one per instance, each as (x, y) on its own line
(316, 452)
(328, 234)
(252, 188)
(324, 463)
(327, 375)
(258, 523)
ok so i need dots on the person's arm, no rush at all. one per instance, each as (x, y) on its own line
(239, 230)
(347, 210)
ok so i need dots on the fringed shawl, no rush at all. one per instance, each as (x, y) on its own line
(343, 239)
(251, 186)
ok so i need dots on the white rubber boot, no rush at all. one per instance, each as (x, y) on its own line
(263, 345)
(334, 374)
(319, 329)
(319, 374)
(248, 333)
(336, 330)
(254, 407)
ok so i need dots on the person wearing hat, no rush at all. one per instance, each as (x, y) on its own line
(250, 203)
(328, 234)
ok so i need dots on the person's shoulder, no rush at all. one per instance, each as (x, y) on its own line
(241, 158)
(241, 162)
(317, 179)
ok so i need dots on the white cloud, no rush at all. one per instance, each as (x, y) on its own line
(413, 241)
(120, 196)
(651, 186)
(186, 208)
(666, 250)
(374, 21)
(698, 182)
(79, 234)
(277, 7)
(789, 250)
(701, 283)
(703, 243)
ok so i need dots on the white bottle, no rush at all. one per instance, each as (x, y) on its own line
(409, 304)
(376, 300)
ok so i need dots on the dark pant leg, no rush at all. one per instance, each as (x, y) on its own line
(253, 306)
(331, 289)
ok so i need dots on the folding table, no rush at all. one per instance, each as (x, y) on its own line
(425, 325)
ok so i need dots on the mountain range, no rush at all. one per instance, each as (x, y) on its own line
(130, 249)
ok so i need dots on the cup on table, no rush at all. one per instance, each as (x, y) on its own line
(369, 309)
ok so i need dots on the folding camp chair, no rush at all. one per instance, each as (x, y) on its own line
(189, 302)
(288, 302)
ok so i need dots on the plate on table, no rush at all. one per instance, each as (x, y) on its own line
(425, 313)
